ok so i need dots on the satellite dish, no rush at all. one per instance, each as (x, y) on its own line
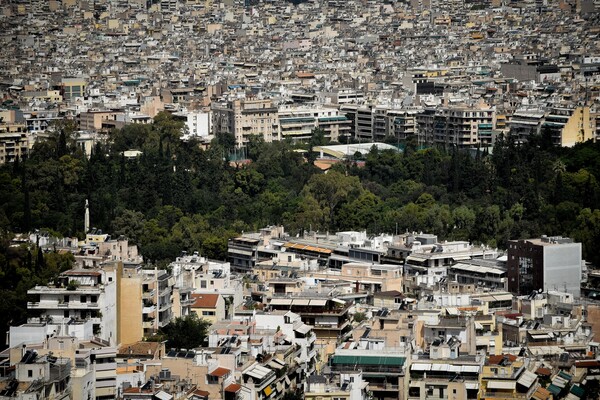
(540, 290)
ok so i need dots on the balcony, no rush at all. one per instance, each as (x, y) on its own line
(148, 324)
(52, 305)
(380, 386)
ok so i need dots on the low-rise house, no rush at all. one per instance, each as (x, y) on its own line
(347, 386)
(208, 306)
(508, 376)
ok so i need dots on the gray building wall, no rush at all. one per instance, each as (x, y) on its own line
(562, 268)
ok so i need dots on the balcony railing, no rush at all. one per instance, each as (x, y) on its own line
(71, 305)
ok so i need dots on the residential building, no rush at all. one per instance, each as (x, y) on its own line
(568, 126)
(328, 316)
(246, 118)
(38, 377)
(14, 143)
(208, 306)
(298, 123)
(548, 263)
(507, 376)
(80, 295)
(384, 369)
(347, 386)
(73, 87)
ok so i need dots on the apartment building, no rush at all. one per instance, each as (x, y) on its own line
(507, 376)
(79, 295)
(73, 87)
(384, 369)
(525, 123)
(328, 316)
(480, 273)
(298, 123)
(444, 374)
(97, 120)
(157, 292)
(38, 376)
(568, 126)
(246, 118)
(348, 386)
(14, 142)
(459, 126)
(547, 263)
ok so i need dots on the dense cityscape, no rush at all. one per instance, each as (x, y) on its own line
(285, 200)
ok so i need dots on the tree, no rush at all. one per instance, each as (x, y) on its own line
(359, 317)
(330, 191)
(317, 138)
(186, 332)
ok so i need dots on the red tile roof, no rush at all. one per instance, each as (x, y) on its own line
(205, 300)
(543, 371)
(494, 360)
(219, 371)
(233, 388)
(587, 364)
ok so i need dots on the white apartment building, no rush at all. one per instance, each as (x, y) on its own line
(298, 123)
(80, 295)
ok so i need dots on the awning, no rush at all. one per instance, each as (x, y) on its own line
(439, 367)
(527, 378)
(281, 302)
(471, 385)
(163, 395)
(242, 252)
(318, 302)
(275, 365)
(452, 310)
(420, 367)
(501, 385)
(540, 336)
(339, 301)
(301, 302)
(303, 329)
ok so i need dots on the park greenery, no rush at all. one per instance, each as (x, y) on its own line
(177, 196)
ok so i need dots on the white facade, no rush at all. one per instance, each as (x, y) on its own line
(199, 124)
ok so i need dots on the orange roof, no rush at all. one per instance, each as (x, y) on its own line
(205, 300)
(299, 246)
(219, 372)
(541, 394)
(139, 348)
(233, 388)
(543, 371)
(325, 164)
(202, 393)
(493, 360)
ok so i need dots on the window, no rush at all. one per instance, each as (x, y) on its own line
(203, 284)
(30, 373)
(208, 313)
